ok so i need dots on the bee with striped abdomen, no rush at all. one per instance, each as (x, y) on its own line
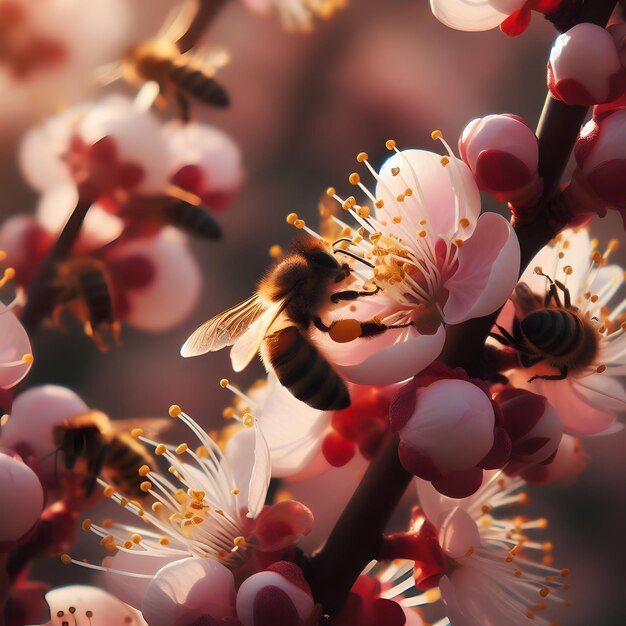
(550, 331)
(83, 287)
(279, 314)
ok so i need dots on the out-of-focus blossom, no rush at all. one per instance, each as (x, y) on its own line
(21, 490)
(191, 591)
(278, 595)
(298, 14)
(490, 557)
(15, 351)
(584, 67)
(82, 605)
(448, 431)
(502, 152)
(589, 397)
(533, 425)
(513, 16)
(569, 461)
(205, 162)
(435, 262)
(599, 181)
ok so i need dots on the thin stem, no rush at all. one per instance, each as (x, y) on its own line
(357, 535)
(206, 13)
(40, 294)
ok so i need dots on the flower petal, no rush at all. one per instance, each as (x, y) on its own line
(473, 15)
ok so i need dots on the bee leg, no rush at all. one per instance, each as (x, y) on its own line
(371, 329)
(185, 109)
(94, 467)
(527, 362)
(346, 330)
(561, 376)
(341, 296)
(552, 294)
(566, 294)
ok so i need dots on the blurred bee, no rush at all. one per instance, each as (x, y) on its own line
(551, 331)
(289, 298)
(84, 288)
(162, 70)
(103, 447)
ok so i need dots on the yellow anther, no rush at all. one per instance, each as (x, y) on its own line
(86, 525)
(331, 191)
(390, 144)
(248, 420)
(561, 255)
(379, 204)
(144, 470)
(136, 432)
(109, 490)
(421, 233)
(299, 224)
(160, 449)
(543, 592)
(364, 212)
(422, 222)
(291, 218)
(354, 178)
(361, 157)
(157, 507)
(444, 160)
(145, 486)
(593, 298)
(28, 359)
(568, 270)
(542, 522)
(601, 368)
(175, 410)
(349, 202)
(275, 251)
(107, 522)
(518, 573)
(228, 413)
(436, 134)
(235, 491)
(239, 541)
(3, 255)
(395, 171)
(613, 245)
(128, 544)
(343, 331)
(66, 559)
(408, 191)
(202, 452)
(396, 219)
(164, 541)
(470, 551)
(9, 273)
(538, 269)
(400, 197)
(182, 448)
(224, 382)
(171, 469)
(458, 243)
(135, 538)
(564, 572)
(464, 222)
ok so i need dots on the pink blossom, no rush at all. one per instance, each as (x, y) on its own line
(588, 398)
(584, 67)
(82, 605)
(432, 264)
(502, 152)
(278, 595)
(15, 351)
(21, 490)
(570, 460)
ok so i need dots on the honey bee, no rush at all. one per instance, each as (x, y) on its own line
(278, 315)
(83, 287)
(103, 447)
(551, 331)
(160, 66)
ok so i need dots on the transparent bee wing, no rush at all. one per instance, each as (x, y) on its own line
(211, 59)
(224, 329)
(178, 20)
(107, 74)
(247, 346)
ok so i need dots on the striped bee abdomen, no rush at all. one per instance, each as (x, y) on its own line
(304, 371)
(97, 295)
(554, 332)
(193, 220)
(197, 84)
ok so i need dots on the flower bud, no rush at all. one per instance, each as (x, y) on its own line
(584, 67)
(22, 493)
(279, 595)
(16, 359)
(502, 152)
(533, 425)
(445, 432)
(280, 525)
(570, 460)
(600, 152)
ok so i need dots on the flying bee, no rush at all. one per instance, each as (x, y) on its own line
(288, 300)
(551, 331)
(103, 447)
(84, 288)
(162, 70)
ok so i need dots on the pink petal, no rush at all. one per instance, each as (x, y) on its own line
(473, 15)
(189, 589)
(458, 533)
(14, 344)
(488, 269)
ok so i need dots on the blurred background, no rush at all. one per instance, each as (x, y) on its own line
(303, 106)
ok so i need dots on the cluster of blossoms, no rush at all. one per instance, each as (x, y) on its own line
(200, 534)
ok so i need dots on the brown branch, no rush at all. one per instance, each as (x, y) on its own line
(357, 535)
(207, 11)
(40, 294)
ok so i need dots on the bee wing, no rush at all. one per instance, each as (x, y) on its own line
(247, 346)
(224, 329)
(107, 74)
(212, 59)
(178, 20)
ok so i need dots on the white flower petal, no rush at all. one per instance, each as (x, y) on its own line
(474, 15)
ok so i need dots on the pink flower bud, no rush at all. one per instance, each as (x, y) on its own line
(570, 460)
(22, 494)
(600, 152)
(533, 425)
(279, 595)
(502, 152)
(280, 525)
(584, 67)
(448, 431)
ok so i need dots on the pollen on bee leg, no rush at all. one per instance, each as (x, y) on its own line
(344, 331)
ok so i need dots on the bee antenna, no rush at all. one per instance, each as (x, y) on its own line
(356, 257)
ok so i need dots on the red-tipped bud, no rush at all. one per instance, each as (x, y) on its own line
(279, 595)
(533, 425)
(501, 151)
(584, 67)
